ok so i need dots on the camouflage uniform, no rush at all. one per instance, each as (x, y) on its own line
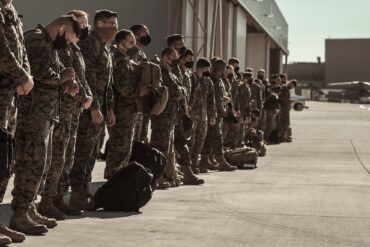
(284, 99)
(163, 125)
(35, 117)
(70, 58)
(214, 140)
(202, 106)
(126, 82)
(14, 66)
(271, 107)
(142, 121)
(231, 130)
(256, 91)
(99, 69)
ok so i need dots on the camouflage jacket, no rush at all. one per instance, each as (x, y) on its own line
(220, 95)
(126, 82)
(176, 92)
(140, 56)
(72, 58)
(202, 99)
(186, 82)
(43, 101)
(256, 96)
(99, 71)
(284, 98)
(14, 64)
(244, 101)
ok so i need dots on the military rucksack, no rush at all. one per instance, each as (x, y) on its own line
(128, 190)
(6, 153)
(155, 102)
(243, 158)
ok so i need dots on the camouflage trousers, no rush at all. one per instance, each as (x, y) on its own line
(162, 133)
(284, 123)
(70, 153)
(121, 137)
(214, 140)
(142, 128)
(198, 136)
(32, 140)
(271, 122)
(181, 145)
(233, 134)
(87, 148)
(60, 139)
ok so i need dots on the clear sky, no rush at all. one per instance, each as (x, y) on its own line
(313, 21)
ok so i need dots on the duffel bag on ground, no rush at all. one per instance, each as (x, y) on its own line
(243, 158)
(128, 190)
(150, 158)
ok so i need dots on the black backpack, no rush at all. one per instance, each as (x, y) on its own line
(128, 190)
(6, 153)
(150, 158)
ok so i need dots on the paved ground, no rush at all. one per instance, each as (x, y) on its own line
(313, 192)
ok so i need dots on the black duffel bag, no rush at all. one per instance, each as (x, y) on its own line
(150, 158)
(6, 153)
(128, 190)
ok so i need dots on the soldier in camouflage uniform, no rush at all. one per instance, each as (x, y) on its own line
(52, 204)
(163, 125)
(37, 112)
(143, 39)
(285, 105)
(14, 78)
(126, 84)
(214, 141)
(202, 108)
(99, 75)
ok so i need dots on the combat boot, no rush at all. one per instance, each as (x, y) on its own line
(46, 208)
(21, 222)
(190, 178)
(224, 165)
(82, 200)
(212, 160)
(163, 184)
(204, 163)
(4, 240)
(64, 207)
(16, 237)
(40, 219)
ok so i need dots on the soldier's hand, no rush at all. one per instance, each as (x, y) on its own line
(87, 103)
(25, 87)
(212, 121)
(145, 90)
(111, 118)
(67, 74)
(227, 100)
(71, 88)
(97, 117)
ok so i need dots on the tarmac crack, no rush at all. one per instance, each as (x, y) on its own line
(358, 157)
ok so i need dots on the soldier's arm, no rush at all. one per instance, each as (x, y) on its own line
(9, 64)
(90, 54)
(122, 82)
(39, 54)
(211, 104)
(175, 91)
(219, 97)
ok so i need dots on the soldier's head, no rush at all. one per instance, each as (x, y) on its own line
(261, 74)
(283, 78)
(169, 58)
(275, 79)
(218, 67)
(248, 78)
(82, 18)
(249, 70)
(293, 84)
(63, 30)
(203, 67)
(187, 59)
(177, 42)
(229, 72)
(106, 22)
(235, 63)
(142, 35)
(126, 42)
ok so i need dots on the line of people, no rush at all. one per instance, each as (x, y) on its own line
(64, 83)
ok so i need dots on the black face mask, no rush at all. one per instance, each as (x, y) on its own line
(174, 63)
(253, 119)
(230, 76)
(132, 51)
(237, 69)
(84, 33)
(60, 42)
(189, 65)
(146, 40)
(206, 74)
(261, 77)
(182, 50)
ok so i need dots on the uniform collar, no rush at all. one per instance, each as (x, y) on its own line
(45, 32)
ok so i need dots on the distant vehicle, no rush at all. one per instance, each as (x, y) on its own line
(353, 92)
(298, 102)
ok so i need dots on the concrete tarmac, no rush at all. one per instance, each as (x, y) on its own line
(312, 192)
